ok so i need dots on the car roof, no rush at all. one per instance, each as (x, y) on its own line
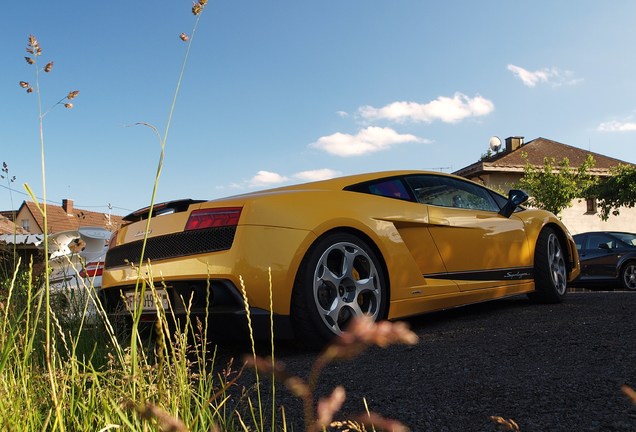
(604, 232)
(339, 183)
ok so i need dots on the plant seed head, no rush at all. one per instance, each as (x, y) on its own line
(196, 8)
(24, 84)
(329, 406)
(30, 90)
(48, 67)
(68, 105)
(203, 2)
(72, 95)
(629, 392)
(29, 60)
(34, 46)
(184, 37)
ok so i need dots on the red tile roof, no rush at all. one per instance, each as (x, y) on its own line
(8, 227)
(536, 150)
(59, 220)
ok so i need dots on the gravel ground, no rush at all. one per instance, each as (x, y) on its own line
(547, 367)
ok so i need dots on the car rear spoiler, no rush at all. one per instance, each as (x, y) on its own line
(175, 206)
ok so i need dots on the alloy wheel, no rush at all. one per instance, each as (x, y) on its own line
(557, 264)
(346, 284)
(629, 276)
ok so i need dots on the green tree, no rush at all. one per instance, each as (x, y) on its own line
(617, 190)
(554, 186)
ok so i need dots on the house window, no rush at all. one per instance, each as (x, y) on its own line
(591, 205)
(25, 224)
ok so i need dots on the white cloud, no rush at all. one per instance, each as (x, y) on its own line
(369, 140)
(267, 178)
(342, 114)
(315, 175)
(447, 109)
(554, 76)
(617, 126)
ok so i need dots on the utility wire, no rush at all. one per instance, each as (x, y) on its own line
(17, 191)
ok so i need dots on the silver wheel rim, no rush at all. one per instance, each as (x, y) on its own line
(346, 284)
(629, 277)
(557, 264)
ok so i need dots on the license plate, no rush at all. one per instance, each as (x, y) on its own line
(148, 301)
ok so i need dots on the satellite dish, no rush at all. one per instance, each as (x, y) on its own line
(495, 144)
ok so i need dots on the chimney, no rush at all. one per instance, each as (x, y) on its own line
(67, 206)
(513, 143)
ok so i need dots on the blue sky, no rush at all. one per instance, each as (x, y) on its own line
(280, 92)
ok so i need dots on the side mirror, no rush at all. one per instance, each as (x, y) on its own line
(516, 197)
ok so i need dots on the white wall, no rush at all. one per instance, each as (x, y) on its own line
(578, 220)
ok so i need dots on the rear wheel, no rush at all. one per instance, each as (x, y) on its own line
(339, 279)
(628, 275)
(550, 271)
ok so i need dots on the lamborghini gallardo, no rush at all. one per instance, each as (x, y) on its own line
(313, 256)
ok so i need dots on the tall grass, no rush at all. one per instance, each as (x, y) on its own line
(95, 390)
(174, 386)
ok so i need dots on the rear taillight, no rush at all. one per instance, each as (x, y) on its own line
(92, 269)
(213, 217)
(111, 242)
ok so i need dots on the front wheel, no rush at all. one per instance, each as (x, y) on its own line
(628, 275)
(339, 279)
(550, 280)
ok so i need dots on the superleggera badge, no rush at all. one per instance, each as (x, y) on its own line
(516, 275)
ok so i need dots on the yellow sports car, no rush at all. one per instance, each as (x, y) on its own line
(389, 244)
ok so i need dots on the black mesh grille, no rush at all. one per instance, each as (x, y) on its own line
(173, 245)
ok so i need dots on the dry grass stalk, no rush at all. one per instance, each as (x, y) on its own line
(166, 422)
(505, 424)
(377, 422)
(363, 332)
(631, 394)
(328, 407)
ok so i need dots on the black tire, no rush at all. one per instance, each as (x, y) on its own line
(628, 275)
(550, 271)
(339, 278)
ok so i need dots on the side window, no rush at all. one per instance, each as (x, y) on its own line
(579, 242)
(450, 192)
(627, 238)
(501, 201)
(596, 240)
(391, 188)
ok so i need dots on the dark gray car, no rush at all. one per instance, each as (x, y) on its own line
(607, 257)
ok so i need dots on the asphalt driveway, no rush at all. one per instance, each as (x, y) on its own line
(547, 367)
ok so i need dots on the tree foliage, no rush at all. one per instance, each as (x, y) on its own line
(617, 190)
(554, 186)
